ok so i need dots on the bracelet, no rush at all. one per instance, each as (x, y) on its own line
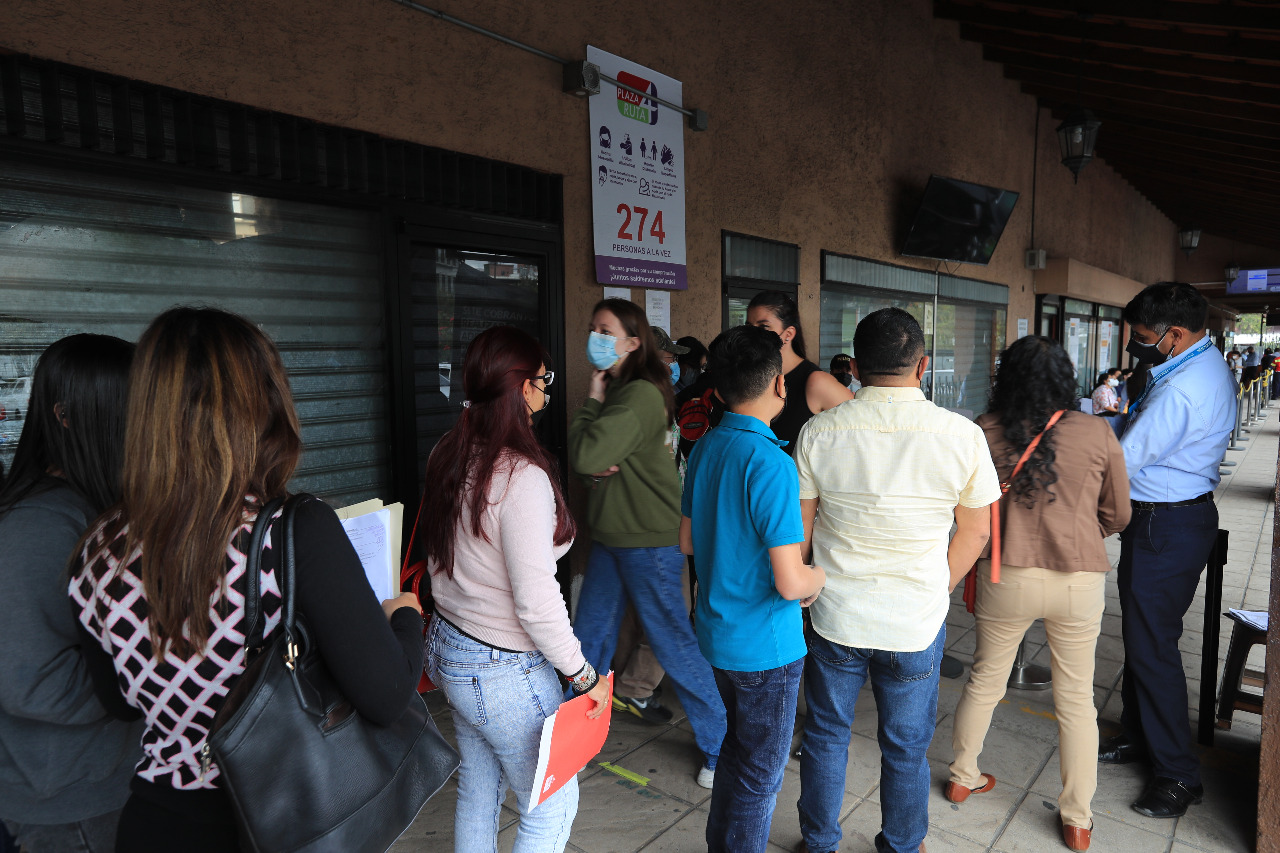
(585, 679)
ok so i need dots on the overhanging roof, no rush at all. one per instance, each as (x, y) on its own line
(1188, 92)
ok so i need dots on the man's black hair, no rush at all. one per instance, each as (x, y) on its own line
(744, 360)
(888, 342)
(1168, 303)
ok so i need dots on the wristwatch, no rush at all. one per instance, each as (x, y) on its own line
(584, 680)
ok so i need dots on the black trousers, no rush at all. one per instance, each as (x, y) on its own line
(159, 819)
(1162, 554)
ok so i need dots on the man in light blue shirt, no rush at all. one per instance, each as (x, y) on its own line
(1173, 438)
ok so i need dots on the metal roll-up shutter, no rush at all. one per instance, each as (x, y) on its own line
(95, 252)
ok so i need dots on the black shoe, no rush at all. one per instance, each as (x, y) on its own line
(1121, 750)
(646, 709)
(1166, 797)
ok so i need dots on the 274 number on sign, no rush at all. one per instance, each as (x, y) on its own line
(655, 230)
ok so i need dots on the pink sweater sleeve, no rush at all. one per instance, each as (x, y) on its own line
(527, 521)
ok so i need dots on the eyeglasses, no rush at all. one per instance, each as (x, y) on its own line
(547, 378)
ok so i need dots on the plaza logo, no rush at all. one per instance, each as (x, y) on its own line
(634, 106)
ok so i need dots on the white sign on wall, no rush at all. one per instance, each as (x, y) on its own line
(657, 309)
(1073, 341)
(637, 191)
(1104, 345)
(1022, 328)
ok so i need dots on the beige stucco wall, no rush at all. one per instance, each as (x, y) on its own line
(1083, 281)
(826, 116)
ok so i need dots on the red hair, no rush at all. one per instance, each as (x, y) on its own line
(495, 424)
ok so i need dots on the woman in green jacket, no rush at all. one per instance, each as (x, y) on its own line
(619, 440)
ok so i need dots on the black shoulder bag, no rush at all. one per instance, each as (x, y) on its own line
(304, 770)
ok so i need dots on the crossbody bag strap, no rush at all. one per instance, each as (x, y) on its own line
(1004, 488)
(254, 623)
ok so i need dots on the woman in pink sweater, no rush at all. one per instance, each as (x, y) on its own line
(494, 523)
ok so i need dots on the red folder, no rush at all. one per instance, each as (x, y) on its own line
(569, 740)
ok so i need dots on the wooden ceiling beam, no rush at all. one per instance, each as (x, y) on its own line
(1107, 106)
(1228, 46)
(1160, 81)
(1069, 48)
(1108, 149)
(1229, 16)
(1237, 190)
(1089, 89)
(1206, 139)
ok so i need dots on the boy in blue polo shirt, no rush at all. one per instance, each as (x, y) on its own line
(741, 519)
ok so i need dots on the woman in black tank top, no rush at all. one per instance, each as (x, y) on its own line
(809, 389)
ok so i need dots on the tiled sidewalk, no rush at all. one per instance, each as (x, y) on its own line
(1020, 815)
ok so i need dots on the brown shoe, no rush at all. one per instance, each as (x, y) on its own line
(959, 793)
(1075, 837)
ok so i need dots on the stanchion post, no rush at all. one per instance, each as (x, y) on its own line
(1209, 647)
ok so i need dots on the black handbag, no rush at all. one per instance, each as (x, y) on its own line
(304, 770)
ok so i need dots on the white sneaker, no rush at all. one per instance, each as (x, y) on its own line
(706, 777)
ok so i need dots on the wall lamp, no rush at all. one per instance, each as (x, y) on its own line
(1189, 238)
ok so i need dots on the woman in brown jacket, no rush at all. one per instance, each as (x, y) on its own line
(1069, 495)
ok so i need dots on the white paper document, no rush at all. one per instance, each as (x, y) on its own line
(1252, 618)
(375, 534)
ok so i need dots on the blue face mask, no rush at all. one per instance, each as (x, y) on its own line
(602, 350)
(674, 367)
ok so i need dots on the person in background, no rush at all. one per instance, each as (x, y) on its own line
(1106, 402)
(692, 363)
(881, 483)
(211, 435)
(1236, 362)
(1250, 365)
(494, 522)
(1122, 390)
(65, 763)
(1070, 494)
(1173, 438)
(840, 369)
(669, 351)
(619, 441)
(741, 516)
(809, 389)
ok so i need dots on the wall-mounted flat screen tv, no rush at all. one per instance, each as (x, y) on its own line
(959, 221)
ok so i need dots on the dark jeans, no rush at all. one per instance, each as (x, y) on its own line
(906, 690)
(1162, 553)
(159, 819)
(761, 710)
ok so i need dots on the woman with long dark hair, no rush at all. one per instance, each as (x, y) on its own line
(810, 389)
(65, 763)
(159, 585)
(1069, 495)
(620, 441)
(494, 522)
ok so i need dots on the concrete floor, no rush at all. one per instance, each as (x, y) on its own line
(617, 815)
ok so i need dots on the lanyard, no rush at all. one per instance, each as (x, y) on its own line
(1186, 359)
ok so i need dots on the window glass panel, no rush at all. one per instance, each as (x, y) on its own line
(752, 257)
(843, 308)
(846, 270)
(456, 295)
(94, 253)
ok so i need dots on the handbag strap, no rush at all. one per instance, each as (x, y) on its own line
(253, 574)
(1031, 448)
(408, 553)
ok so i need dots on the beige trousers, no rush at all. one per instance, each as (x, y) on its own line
(1071, 604)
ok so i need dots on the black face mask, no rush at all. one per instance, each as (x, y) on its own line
(1147, 353)
(846, 379)
(536, 415)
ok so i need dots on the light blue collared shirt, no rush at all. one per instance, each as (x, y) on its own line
(1178, 432)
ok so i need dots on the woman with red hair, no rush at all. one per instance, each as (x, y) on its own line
(494, 522)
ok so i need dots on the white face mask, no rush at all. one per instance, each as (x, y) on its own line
(1113, 382)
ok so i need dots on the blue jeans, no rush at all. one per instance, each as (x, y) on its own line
(1162, 553)
(906, 691)
(761, 708)
(499, 701)
(650, 578)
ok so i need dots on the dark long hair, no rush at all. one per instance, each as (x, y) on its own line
(87, 378)
(787, 312)
(1035, 379)
(644, 362)
(210, 423)
(494, 424)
